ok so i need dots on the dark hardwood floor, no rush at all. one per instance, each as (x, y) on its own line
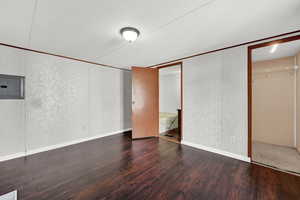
(117, 168)
(171, 135)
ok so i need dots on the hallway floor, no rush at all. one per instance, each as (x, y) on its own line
(284, 158)
(171, 135)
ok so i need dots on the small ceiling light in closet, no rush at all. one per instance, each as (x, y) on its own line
(130, 34)
(274, 47)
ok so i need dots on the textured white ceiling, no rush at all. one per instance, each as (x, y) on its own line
(15, 18)
(169, 29)
(283, 50)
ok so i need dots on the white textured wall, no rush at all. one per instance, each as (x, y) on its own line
(11, 111)
(215, 101)
(110, 100)
(57, 96)
(65, 101)
(169, 93)
(273, 97)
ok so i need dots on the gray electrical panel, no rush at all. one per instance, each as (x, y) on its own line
(12, 87)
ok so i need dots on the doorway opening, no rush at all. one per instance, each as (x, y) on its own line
(170, 102)
(274, 104)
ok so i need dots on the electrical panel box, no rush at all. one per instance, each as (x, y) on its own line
(12, 87)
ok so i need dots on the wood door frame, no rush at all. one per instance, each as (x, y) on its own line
(181, 92)
(250, 49)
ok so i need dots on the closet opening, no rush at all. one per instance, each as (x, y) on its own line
(274, 104)
(170, 102)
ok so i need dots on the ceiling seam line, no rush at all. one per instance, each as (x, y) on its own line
(32, 23)
(123, 45)
(208, 2)
(52, 54)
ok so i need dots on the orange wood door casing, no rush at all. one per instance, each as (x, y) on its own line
(145, 106)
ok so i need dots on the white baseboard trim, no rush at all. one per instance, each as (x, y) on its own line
(12, 156)
(57, 146)
(217, 151)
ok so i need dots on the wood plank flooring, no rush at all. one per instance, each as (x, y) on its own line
(116, 168)
(174, 136)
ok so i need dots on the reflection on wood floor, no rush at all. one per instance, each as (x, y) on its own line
(171, 135)
(116, 167)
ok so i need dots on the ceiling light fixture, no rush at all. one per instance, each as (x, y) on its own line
(130, 34)
(274, 47)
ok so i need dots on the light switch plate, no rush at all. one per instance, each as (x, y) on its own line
(10, 196)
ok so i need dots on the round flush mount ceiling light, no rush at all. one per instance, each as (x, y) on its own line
(130, 34)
